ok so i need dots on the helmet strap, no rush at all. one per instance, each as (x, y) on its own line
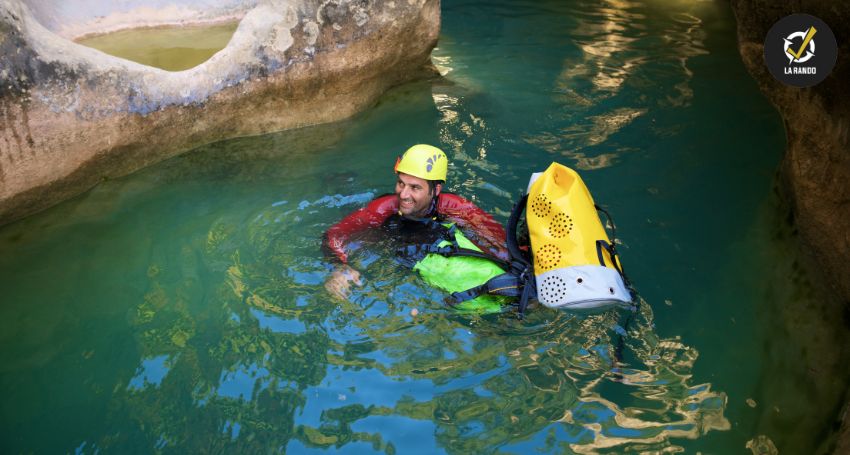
(432, 209)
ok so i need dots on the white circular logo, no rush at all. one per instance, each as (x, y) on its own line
(808, 43)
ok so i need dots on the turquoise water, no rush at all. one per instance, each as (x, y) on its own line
(182, 309)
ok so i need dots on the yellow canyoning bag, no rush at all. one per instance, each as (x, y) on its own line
(575, 264)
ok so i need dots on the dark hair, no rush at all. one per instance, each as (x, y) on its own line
(433, 184)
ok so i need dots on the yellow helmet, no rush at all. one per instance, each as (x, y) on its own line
(423, 161)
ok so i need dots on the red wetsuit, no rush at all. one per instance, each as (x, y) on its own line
(479, 226)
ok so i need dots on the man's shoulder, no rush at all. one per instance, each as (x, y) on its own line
(386, 203)
(452, 201)
(452, 197)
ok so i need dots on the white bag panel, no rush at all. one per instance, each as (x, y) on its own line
(582, 287)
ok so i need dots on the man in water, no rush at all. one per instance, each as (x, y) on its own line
(421, 174)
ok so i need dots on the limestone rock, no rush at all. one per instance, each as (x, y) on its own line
(815, 172)
(71, 116)
(816, 167)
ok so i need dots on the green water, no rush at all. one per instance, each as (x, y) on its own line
(169, 48)
(182, 309)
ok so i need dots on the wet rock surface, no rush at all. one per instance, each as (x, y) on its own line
(814, 181)
(72, 116)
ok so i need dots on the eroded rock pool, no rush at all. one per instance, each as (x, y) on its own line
(182, 309)
(170, 48)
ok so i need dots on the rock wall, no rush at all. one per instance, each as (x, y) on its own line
(815, 172)
(71, 116)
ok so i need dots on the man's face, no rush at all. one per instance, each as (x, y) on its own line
(414, 195)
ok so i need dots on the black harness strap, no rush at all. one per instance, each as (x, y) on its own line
(612, 253)
(611, 248)
(512, 242)
(520, 267)
(622, 327)
(411, 254)
(504, 284)
(518, 279)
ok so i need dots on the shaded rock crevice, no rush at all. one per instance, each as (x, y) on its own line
(815, 171)
(814, 183)
(81, 116)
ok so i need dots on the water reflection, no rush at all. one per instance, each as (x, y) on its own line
(514, 383)
(268, 360)
(616, 41)
(150, 373)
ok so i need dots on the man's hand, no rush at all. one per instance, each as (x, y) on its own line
(339, 283)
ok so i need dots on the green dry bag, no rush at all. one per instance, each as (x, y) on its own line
(459, 273)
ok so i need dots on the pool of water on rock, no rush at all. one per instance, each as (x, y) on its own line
(172, 48)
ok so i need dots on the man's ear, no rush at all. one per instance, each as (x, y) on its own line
(437, 188)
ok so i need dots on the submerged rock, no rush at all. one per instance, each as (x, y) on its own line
(71, 116)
